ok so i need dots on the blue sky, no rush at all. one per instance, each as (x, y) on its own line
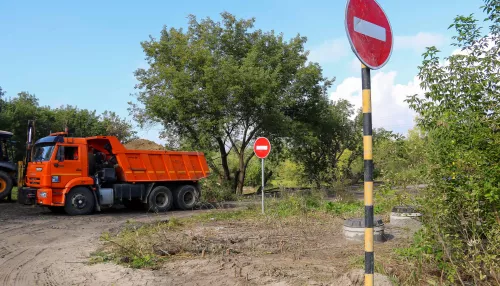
(85, 52)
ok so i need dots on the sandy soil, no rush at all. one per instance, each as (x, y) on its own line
(250, 252)
(143, 144)
(41, 248)
(38, 247)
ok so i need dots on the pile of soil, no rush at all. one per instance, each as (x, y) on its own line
(143, 144)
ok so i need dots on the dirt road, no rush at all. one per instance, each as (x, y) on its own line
(38, 247)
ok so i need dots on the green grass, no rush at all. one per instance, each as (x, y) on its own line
(14, 193)
(218, 215)
(134, 245)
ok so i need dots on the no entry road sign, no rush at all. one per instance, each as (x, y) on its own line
(369, 32)
(262, 147)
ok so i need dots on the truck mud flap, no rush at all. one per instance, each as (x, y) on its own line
(26, 196)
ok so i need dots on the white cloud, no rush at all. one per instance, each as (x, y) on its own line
(419, 42)
(355, 65)
(388, 107)
(330, 51)
(334, 50)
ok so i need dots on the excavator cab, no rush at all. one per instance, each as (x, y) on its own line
(8, 169)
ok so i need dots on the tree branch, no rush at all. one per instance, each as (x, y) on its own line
(232, 142)
(248, 159)
(252, 133)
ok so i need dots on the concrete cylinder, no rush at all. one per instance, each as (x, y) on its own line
(405, 216)
(354, 229)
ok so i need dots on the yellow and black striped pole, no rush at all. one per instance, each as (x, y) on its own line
(368, 180)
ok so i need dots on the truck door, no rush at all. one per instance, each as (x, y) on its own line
(67, 165)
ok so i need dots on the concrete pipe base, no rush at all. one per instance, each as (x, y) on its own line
(405, 216)
(354, 229)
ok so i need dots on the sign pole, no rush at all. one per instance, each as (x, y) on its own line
(262, 190)
(262, 148)
(368, 180)
(370, 35)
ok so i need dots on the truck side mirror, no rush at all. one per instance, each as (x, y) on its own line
(60, 154)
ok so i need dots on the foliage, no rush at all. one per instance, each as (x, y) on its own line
(319, 142)
(460, 114)
(217, 86)
(215, 191)
(16, 111)
(400, 161)
(311, 203)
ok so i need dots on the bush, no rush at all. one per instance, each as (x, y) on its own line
(460, 114)
(214, 192)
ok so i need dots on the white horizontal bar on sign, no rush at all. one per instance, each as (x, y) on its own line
(369, 29)
(260, 147)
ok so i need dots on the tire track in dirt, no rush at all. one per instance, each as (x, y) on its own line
(41, 248)
(47, 276)
(22, 271)
(10, 265)
(8, 230)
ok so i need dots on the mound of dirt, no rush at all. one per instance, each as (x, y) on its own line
(143, 144)
(356, 277)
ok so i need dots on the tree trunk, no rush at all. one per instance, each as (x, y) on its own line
(241, 174)
(223, 158)
(235, 180)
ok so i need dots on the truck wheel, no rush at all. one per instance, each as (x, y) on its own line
(79, 201)
(160, 199)
(186, 197)
(5, 185)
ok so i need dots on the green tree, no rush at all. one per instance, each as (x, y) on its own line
(460, 113)
(218, 86)
(18, 110)
(3, 118)
(114, 125)
(319, 141)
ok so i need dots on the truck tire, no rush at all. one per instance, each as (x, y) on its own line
(160, 199)
(186, 197)
(79, 201)
(5, 185)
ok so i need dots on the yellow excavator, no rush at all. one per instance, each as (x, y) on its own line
(12, 174)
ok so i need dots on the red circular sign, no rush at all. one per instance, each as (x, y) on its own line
(369, 32)
(262, 147)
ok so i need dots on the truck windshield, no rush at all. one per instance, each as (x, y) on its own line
(43, 152)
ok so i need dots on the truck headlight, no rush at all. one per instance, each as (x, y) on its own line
(43, 194)
(55, 179)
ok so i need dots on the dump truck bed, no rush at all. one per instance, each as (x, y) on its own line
(154, 166)
(149, 166)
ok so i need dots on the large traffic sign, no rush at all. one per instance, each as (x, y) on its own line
(262, 147)
(369, 32)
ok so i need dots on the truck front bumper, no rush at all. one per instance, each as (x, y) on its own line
(26, 196)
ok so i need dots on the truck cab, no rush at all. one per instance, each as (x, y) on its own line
(56, 165)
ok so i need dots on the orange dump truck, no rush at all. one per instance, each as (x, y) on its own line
(81, 175)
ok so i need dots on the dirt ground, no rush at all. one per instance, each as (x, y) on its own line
(41, 248)
(38, 247)
(143, 144)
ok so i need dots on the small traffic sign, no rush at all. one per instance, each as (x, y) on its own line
(262, 147)
(369, 32)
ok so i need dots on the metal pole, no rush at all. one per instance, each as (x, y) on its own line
(368, 180)
(262, 190)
